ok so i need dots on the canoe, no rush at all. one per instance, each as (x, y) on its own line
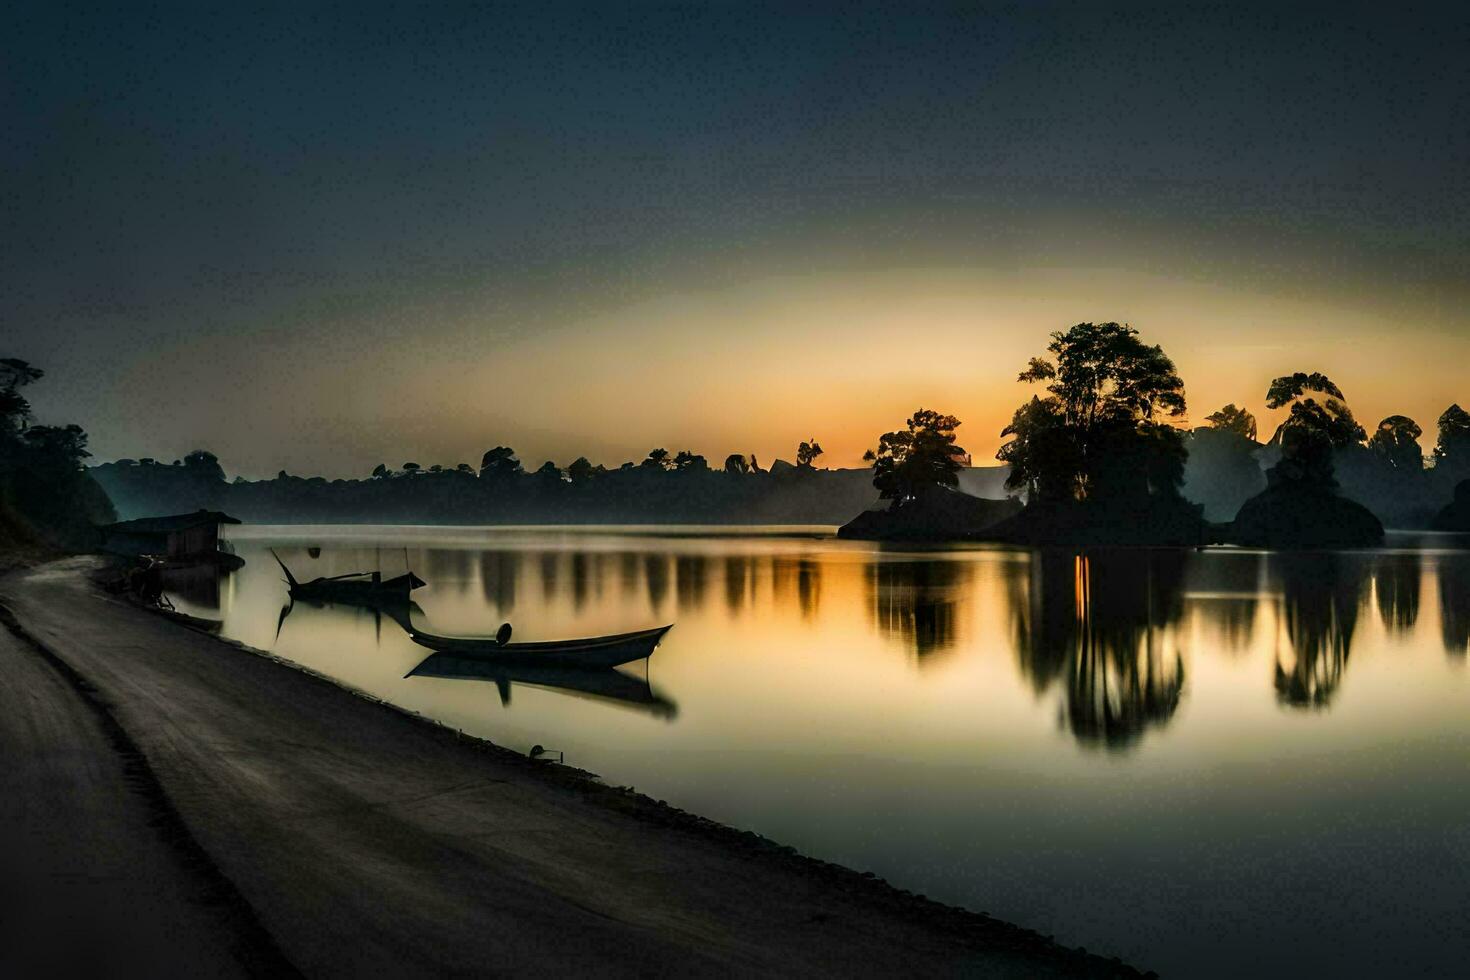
(606, 684)
(354, 588)
(592, 652)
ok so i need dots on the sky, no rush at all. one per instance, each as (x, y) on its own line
(319, 238)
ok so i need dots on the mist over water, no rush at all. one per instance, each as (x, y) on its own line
(1212, 762)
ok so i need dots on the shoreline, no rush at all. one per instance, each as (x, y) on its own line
(704, 896)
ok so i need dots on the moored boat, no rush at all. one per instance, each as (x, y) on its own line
(353, 588)
(591, 652)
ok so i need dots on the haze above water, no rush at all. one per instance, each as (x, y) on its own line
(1207, 763)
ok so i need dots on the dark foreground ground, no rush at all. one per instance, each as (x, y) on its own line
(177, 805)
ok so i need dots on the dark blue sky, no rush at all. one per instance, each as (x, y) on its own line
(311, 218)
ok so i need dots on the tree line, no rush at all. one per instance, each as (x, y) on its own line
(1104, 436)
(46, 496)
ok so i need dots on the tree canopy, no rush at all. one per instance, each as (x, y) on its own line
(499, 462)
(1234, 420)
(807, 453)
(1313, 431)
(919, 457)
(1452, 449)
(1396, 443)
(1099, 432)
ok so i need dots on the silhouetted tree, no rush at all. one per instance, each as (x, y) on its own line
(46, 494)
(580, 470)
(548, 476)
(1044, 458)
(735, 463)
(499, 463)
(917, 458)
(687, 461)
(410, 468)
(1314, 431)
(1396, 444)
(807, 453)
(1096, 433)
(1236, 421)
(1452, 449)
(15, 410)
(381, 471)
(657, 459)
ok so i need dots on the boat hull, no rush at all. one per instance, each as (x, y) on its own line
(594, 652)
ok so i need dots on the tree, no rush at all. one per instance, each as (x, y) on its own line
(1234, 420)
(1396, 444)
(381, 472)
(1041, 453)
(580, 470)
(735, 463)
(204, 465)
(657, 459)
(692, 462)
(807, 453)
(1314, 431)
(411, 468)
(548, 476)
(57, 446)
(15, 411)
(917, 458)
(499, 463)
(1100, 430)
(1452, 449)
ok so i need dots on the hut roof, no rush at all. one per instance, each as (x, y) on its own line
(173, 522)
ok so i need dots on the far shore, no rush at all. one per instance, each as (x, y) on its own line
(330, 834)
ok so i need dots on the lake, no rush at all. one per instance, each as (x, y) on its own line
(1209, 763)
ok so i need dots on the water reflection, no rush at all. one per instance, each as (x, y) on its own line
(656, 577)
(197, 585)
(1321, 596)
(1454, 603)
(610, 685)
(692, 577)
(1097, 625)
(1396, 584)
(739, 583)
(917, 601)
(831, 691)
(498, 573)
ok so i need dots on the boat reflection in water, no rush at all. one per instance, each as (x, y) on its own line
(606, 684)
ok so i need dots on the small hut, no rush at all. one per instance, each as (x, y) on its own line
(179, 537)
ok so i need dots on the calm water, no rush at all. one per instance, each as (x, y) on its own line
(1208, 763)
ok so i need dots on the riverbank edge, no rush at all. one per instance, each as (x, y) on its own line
(963, 924)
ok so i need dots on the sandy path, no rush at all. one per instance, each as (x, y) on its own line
(94, 870)
(368, 842)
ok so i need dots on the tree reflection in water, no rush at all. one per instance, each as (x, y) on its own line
(691, 581)
(917, 601)
(1454, 603)
(1321, 594)
(1098, 624)
(1396, 586)
(498, 573)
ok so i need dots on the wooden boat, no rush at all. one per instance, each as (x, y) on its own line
(604, 684)
(593, 652)
(355, 588)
